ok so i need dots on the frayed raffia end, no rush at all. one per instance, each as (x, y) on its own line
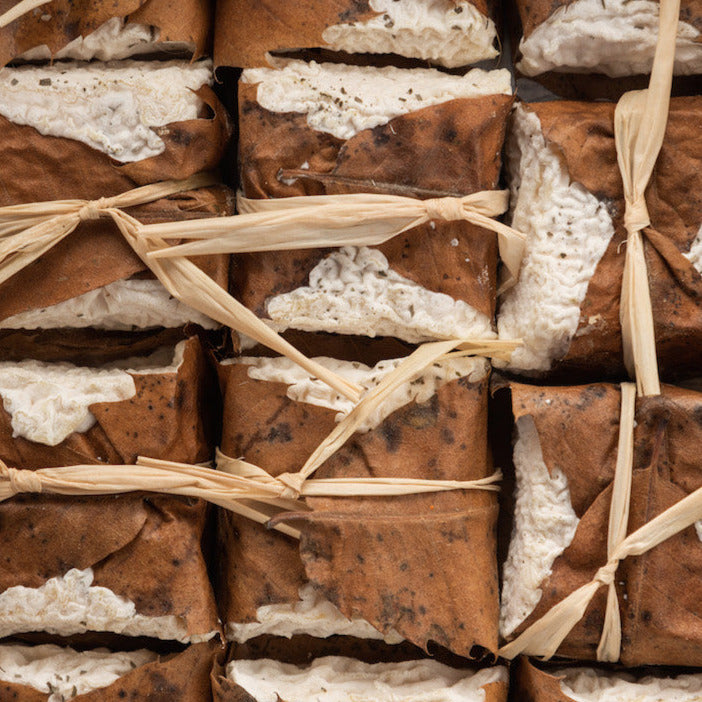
(20, 9)
(322, 221)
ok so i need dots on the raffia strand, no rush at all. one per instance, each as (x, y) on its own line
(21, 8)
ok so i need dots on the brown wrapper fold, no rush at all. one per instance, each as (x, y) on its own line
(170, 417)
(583, 134)
(145, 548)
(659, 592)
(458, 145)
(535, 685)
(247, 30)
(416, 564)
(183, 21)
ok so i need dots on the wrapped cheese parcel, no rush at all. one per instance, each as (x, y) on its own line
(565, 456)
(593, 685)
(311, 129)
(568, 200)
(617, 38)
(62, 29)
(418, 567)
(55, 674)
(450, 33)
(125, 124)
(57, 414)
(344, 679)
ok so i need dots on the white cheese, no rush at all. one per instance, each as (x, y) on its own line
(312, 615)
(448, 33)
(614, 37)
(47, 402)
(122, 305)
(64, 673)
(354, 291)
(568, 230)
(70, 604)
(114, 107)
(590, 685)
(544, 526)
(420, 388)
(694, 255)
(115, 39)
(334, 679)
(344, 100)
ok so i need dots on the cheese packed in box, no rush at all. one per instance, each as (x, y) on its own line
(58, 674)
(64, 29)
(336, 679)
(387, 568)
(565, 457)
(89, 131)
(313, 129)
(567, 198)
(450, 33)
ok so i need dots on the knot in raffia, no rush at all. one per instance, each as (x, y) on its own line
(93, 210)
(605, 574)
(449, 209)
(636, 216)
(21, 481)
(292, 485)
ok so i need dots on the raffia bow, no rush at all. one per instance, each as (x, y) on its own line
(321, 221)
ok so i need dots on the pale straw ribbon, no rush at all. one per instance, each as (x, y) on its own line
(321, 221)
(639, 128)
(20, 9)
(244, 488)
(545, 636)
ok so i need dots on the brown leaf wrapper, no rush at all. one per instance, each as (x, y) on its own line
(584, 135)
(535, 685)
(146, 548)
(246, 30)
(453, 147)
(659, 593)
(96, 254)
(170, 417)
(180, 677)
(186, 21)
(423, 565)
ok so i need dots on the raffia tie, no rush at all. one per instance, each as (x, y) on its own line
(328, 221)
(20, 9)
(20, 481)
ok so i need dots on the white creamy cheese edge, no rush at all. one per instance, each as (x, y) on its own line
(47, 402)
(64, 673)
(591, 685)
(451, 34)
(544, 526)
(115, 107)
(70, 604)
(568, 231)
(344, 100)
(337, 679)
(123, 305)
(304, 388)
(115, 39)
(614, 37)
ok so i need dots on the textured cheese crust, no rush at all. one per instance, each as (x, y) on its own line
(112, 107)
(694, 255)
(614, 37)
(70, 604)
(590, 685)
(568, 230)
(544, 526)
(312, 615)
(344, 100)
(354, 291)
(335, 679)
(64, 673)
(115, 39)
(47, 402)
(448, 33)
(304, 388)
(123, 305)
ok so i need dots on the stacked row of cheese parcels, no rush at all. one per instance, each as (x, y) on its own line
(356, 594)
